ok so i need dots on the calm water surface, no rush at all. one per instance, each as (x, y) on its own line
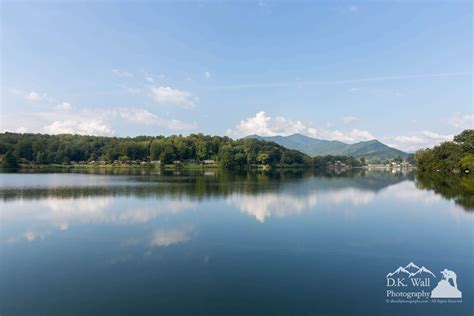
(211, 243)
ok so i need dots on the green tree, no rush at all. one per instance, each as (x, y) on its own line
(124, 158)
(41, 158)
(9, 160)
(24, 150)
(467, 162)
(65, 148)
(398, 159)
(167, 155)
(447, 157)
(155, 149)
(263, 159)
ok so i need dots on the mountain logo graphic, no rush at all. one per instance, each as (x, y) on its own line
(411, 270)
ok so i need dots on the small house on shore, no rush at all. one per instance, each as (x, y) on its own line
(208, 162)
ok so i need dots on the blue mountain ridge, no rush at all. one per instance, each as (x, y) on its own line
(320, 147)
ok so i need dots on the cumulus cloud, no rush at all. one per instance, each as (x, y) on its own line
(422, 139)
(264, 125)
(170, 96)
(410, 139)
(64, 119)
(63, 106)
(437, 137)
(462, 121)
(79, 126)
(35, 96)
(21, 130)
(352, 136)
(349, 119)
(145, 117)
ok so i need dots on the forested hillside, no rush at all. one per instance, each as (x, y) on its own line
(65, 149)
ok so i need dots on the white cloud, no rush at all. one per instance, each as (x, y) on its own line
(462, 121)
(410, 139)
(150, 79)
(264, 125)
(121, 73)
(353, 136)
(423, 139)
(64, 118)
(349, 119)
(21, 130)
(437, 137)
(207, 74)
(35, 96)
(63, 106)
(32, 95)
(170, 96)
(145, 117)
(79, 126)
(358, 135)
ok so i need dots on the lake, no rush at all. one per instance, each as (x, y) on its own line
(215, 243)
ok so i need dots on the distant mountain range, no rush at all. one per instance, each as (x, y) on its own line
(319, 147)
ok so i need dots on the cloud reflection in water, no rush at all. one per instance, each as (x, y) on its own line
(268, 205)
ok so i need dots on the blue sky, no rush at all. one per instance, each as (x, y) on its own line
(400, 72)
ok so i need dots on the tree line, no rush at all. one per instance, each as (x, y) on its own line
(65, 149)
(450, 157)
(41, 149)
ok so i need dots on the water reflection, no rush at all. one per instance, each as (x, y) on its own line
(253, 243)
(266, 205)
(459, 189)
(191, 185)
(168, 237)
(42, 207)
